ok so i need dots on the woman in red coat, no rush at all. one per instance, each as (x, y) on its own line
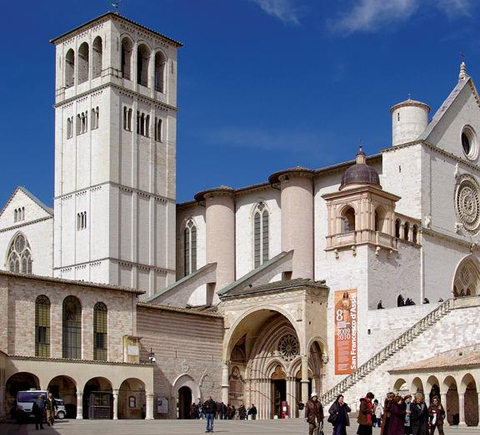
(365, 415)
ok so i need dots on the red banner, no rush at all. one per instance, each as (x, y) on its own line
(346, 312)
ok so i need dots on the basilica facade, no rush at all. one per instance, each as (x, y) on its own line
(332, 279)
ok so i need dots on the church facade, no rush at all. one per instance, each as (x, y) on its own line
(333, 279)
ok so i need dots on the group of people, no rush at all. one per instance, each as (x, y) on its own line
(44, 409)
(211, 410)
(398, 415)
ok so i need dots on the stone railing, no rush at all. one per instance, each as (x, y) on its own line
(384, 354)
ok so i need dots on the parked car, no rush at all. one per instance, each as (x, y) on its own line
(61, 412)
(25, 401)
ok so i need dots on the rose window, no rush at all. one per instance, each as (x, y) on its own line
(288, 347)
(467, 204)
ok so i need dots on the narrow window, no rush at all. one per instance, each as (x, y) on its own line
(15, 215)
(406, 231)
(147, 126)
(348, 220)
(79, 125)
(397, 228)
(142, 124)
(130, 112)
(97, 57)
(138, 122)
(100, 332)
(126, 58)
(42, 327)
(83, 63)
(260, 235)
(143, 59)
(94, 126)
(125, 114)
(158, 129)
(69, 68)
(159, 71)
(72, 328)
(415, 234)
(190, 244)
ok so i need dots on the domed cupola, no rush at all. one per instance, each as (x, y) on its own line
(360, 174)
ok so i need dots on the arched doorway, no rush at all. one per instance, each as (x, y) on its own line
(279, 391)
(467, 278)
(18, 382)
(64, 387)
(184, 402)
(401, 387)
(471, 400)
(131, 399)
(452, 405)
(432, 389)
(97, 399)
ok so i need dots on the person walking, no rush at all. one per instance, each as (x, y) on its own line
(408, 425)
(253, 411)
(419, 415)
(437, 416)
(378, 412)
(209, 409)
(397, 417)
(365, 415)
(39, 411)
(339, 416)
(51, 407)
(314, 414)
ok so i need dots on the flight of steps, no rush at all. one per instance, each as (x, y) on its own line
(391, 349)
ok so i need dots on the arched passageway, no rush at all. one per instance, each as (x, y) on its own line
(64, 387)
(18, 382)
(131, 399)
(98, 399)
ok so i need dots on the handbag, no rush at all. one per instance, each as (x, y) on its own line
(332, 418)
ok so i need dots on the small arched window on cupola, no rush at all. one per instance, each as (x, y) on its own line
(415, 234)
(397, 228)
(348, 220)
(97, 57)
(69, 68)
(406, 231)
(260, 234)
(83, 62)
(190, 247)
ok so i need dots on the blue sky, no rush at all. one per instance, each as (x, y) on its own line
(263, 84)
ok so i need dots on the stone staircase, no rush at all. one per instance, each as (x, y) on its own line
(399, 343)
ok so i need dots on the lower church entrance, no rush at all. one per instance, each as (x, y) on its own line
(279, 395)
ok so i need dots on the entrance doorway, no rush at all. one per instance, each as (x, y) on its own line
(184, 402)
(279, 395)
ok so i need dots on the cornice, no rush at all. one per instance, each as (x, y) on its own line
(120, 88)
(25, 224)
(79, 361)
(448, 237)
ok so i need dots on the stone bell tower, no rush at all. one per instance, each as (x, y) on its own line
(115, 154)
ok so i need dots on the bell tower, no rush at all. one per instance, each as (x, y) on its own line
(115, 154)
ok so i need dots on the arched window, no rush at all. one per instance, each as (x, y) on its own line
(83, 63)
(158, 129)
(147, 126)
(127, 58)
(406, 231)
(348, 220)
(97, 57)
(415, 234)
(190, 243)
(260, 235)
(72, 328)
(42, 327)
(397, 228)
(69, 68)
(159, 71)
(100, 332)
(143, 59)
(20, 255)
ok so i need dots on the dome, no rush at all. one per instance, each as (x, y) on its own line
(360, 173)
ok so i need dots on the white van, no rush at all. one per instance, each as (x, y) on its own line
(25, 401)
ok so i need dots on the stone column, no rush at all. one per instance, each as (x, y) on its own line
(461, 409)
(79, 405)
(225, 383)
(115, 404)
(2, 401)
(149, 407)
(297, 218)
(443, 401)
(304, 380)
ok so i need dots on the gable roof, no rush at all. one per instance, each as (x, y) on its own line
(462, 83)
(22, 189)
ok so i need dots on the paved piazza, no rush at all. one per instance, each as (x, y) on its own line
(172, 427)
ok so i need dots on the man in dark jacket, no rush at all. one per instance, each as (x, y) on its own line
(419, 415)
(314, 414)
(209, 409)
(39, 411)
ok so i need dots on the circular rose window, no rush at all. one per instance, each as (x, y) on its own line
(288, 347)
(467, 203)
